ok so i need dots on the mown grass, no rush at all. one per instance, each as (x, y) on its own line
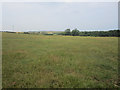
(38, 61)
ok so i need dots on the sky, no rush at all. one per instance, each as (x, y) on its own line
(58, 16)
(0, 17)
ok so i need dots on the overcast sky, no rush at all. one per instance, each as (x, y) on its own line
(60, 16)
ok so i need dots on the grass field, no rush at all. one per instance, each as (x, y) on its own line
(38, 61)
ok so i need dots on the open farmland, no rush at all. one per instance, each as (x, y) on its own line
(41, 61)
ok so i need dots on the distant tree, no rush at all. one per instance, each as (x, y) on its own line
(75, 32)
(26, 33)
(67, 32)
(110, 33)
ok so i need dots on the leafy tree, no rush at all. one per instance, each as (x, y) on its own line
(113, 33)
(110, 33)
(75, 32)
(67, 32)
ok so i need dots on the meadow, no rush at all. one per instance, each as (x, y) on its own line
(41, 61)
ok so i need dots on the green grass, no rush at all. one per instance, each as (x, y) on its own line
(38, 61)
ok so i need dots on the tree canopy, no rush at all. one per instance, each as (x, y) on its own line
(75, 32)
(67, 32)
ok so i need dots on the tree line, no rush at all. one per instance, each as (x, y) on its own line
(76, 32)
